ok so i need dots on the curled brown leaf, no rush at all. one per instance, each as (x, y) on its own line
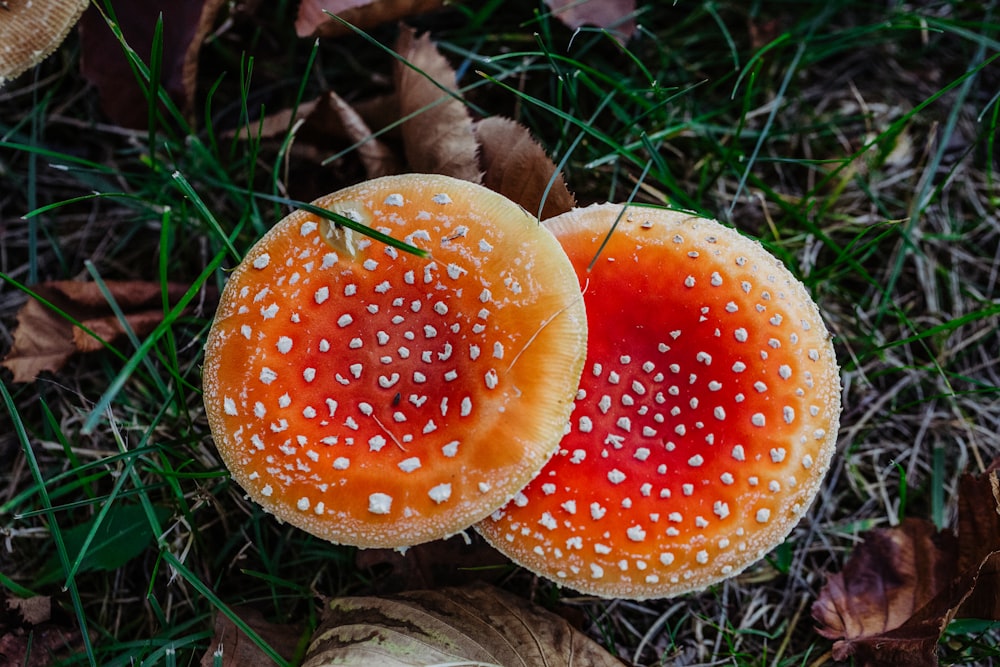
(470, 625)
(612, 15)
(323, 126)
(516, 166)
(235, 649)
(45, 340)
(902, 586)
(314, 20)
(28, 635)
(438, 139)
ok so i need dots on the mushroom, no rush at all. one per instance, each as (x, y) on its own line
(32, 29)
(706, 416)
(379, 399)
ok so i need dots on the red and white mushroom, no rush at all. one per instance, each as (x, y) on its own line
(706, 416)
(380, 399)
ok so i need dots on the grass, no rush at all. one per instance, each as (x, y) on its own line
(857, 141)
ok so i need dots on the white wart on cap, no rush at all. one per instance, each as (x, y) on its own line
(379, 399)
(706, 417)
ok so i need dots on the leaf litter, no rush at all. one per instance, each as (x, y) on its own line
(477, 625)
(45, 339)
(426, 114)
(902, 586)
(29, 636)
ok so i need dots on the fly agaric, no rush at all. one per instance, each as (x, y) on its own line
(706, 416)
(32, 29)
(379, 399)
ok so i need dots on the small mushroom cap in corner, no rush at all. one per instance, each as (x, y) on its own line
(706, 417)
(32, 29)
(379, 399)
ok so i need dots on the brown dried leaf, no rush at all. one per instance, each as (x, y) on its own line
(314, 15)
(376, 157)
(45, 645)
(325, 125)
(186, 24)
(28, 637)
(979, 541)
(32, 611)
(238, 650)
(516, 166)
(439, 140)
(44, 340)
(379, 112)
(605, 14)
(902, 586)
(474, 625)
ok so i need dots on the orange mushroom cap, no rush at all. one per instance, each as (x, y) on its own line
(706, 417)
(32, 29)
(380, 399)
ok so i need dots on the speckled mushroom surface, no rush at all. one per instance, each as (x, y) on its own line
(706, 416)
(380, 399)
(32, 29)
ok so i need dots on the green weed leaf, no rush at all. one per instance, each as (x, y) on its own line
(124, 534)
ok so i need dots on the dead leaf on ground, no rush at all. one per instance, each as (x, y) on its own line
(29, 637)
(516, 166)
(470, 625)
(42, 646)
(33, 611)
(324, 126)
(439, 138)
(237, 650)
(449, 562)
(44, 340)
(186, 24)
(607, 14)
(314, 19)
(902, 586)
(979, 541)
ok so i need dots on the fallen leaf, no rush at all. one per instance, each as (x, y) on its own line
(33, 611)
(236, 649)
(432, 564)
(103, 63)
(379, 112)
(516, 166)
(44, 340)
(469, 626)
(902, 586)
(324, 126)
(376, 157)
(612, 15)
(439, 138)
(28, 637)
(979, 541)
(314, 19)
(40, 647)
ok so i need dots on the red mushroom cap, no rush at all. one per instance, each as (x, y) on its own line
(706, 416)
(376, 398)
